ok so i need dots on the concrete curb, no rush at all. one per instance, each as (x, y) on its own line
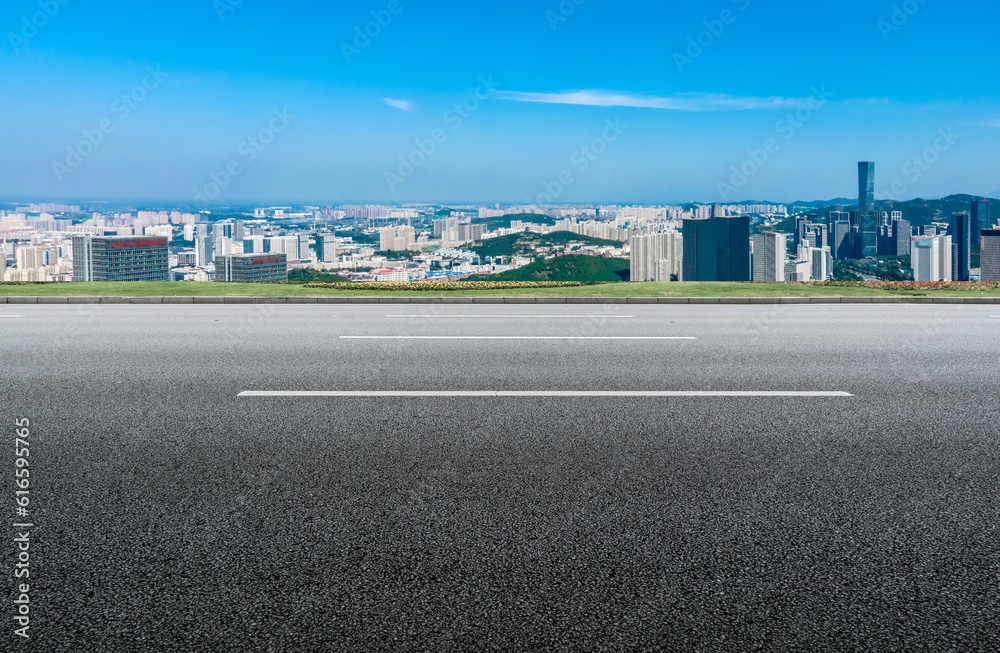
(727, 301)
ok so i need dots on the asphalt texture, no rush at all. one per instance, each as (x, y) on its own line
(172, 515)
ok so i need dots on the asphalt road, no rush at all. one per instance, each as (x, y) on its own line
(171, 514)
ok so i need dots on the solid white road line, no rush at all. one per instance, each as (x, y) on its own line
(517, 338)
(11, 316)
(542, 393)
(526, 317)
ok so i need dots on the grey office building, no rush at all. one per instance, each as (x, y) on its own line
(120, 258)
(902, 232)
(991, 254)
(717, 249)
(252, 268)
(961, 240)
(326, 248)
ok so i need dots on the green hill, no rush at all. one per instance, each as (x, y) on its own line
(566, 268)
(493, 224)
(919, 212)
(524, 244)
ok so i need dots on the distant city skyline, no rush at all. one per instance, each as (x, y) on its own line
(580, 102)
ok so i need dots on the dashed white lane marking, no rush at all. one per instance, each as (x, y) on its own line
(541, 393)
(524, 317)
(517, 338)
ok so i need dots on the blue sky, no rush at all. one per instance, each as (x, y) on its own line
(897, 84)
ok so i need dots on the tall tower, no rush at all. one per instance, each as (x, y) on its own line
(866, 208)
(961, 238)
(866, 187)
(980, 218)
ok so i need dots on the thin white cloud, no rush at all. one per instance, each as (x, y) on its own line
(994, 123)
(676, 102)
(405, 105)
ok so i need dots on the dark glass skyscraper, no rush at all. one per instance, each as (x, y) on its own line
(842, 240)
(961, 239)
(717, 249)
(869, 234)
(980, 218)
(866, 187)
(867, 220)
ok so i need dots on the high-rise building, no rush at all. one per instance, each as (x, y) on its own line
(980, 219)
(838, 216)
(822, 263)
(470, 232)
(990, 254)
(930, 258)
(444, 225)
(303, 251)
(801, 223)
(842, 240)
(223, 247)
(223, 230)
(886, 245)
(665, 271)
(648, 249)
(326, 248)
(866, 187)
(817, 235)
(810, 264)
(961, 241)
(29, 258)
(717, 249)
(252, 268)
(125, 258)
(397, 239)
(869, 235)
(256, 245)
(901, 234)
(769, 252)
(204, 248)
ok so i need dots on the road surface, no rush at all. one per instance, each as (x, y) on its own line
(804, 478)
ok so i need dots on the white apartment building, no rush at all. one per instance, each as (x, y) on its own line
(30, 258)
(769, 254)
(647, 250)
(930, 258)
(397, 239)
(812, 264)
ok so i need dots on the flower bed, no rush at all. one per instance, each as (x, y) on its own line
(913, 285)
(443, 286)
